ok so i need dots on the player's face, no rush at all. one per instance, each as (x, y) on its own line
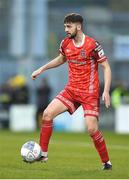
(70, 29)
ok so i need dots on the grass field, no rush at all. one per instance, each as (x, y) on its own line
(71, 156)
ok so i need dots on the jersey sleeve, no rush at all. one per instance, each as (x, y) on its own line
(61, 49)
(98, 53)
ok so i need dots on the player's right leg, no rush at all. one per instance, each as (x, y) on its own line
(54, 108)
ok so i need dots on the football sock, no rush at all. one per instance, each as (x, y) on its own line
(108, 162)
(44, 154)
(45, 134)
(100, 146)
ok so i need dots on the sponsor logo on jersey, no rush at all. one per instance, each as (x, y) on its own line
(74, 61)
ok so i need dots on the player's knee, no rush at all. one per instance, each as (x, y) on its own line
(91, 130)
(47, 115)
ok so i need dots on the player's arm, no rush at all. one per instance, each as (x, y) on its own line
(59, 60)
(100, 57)
(107, 82)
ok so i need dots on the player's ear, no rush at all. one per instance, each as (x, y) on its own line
(78, 27)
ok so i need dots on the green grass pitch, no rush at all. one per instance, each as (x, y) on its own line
(71, 156)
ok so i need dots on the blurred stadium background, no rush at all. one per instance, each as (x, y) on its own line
(30, 35)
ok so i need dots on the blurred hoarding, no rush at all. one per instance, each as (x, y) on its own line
(121, 47)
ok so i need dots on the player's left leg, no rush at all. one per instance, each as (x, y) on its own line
(98, 139)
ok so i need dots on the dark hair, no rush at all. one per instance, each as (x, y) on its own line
(74, 18)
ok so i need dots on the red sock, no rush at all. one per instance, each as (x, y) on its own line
(45, 134)
(100, 146)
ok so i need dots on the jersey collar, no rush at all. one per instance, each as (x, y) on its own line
(83, 40)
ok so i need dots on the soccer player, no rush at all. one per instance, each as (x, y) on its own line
(83, 55)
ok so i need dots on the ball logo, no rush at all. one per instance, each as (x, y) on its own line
(29, 145)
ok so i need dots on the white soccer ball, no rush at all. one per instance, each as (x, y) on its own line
(31, 151)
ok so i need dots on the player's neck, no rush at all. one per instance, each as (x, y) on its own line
(79, 39)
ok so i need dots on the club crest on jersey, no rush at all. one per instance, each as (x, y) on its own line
(83, 53)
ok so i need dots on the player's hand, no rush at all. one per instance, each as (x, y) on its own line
(35, 74)
(106, 99)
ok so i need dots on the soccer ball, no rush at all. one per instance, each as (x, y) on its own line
(30, 151)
